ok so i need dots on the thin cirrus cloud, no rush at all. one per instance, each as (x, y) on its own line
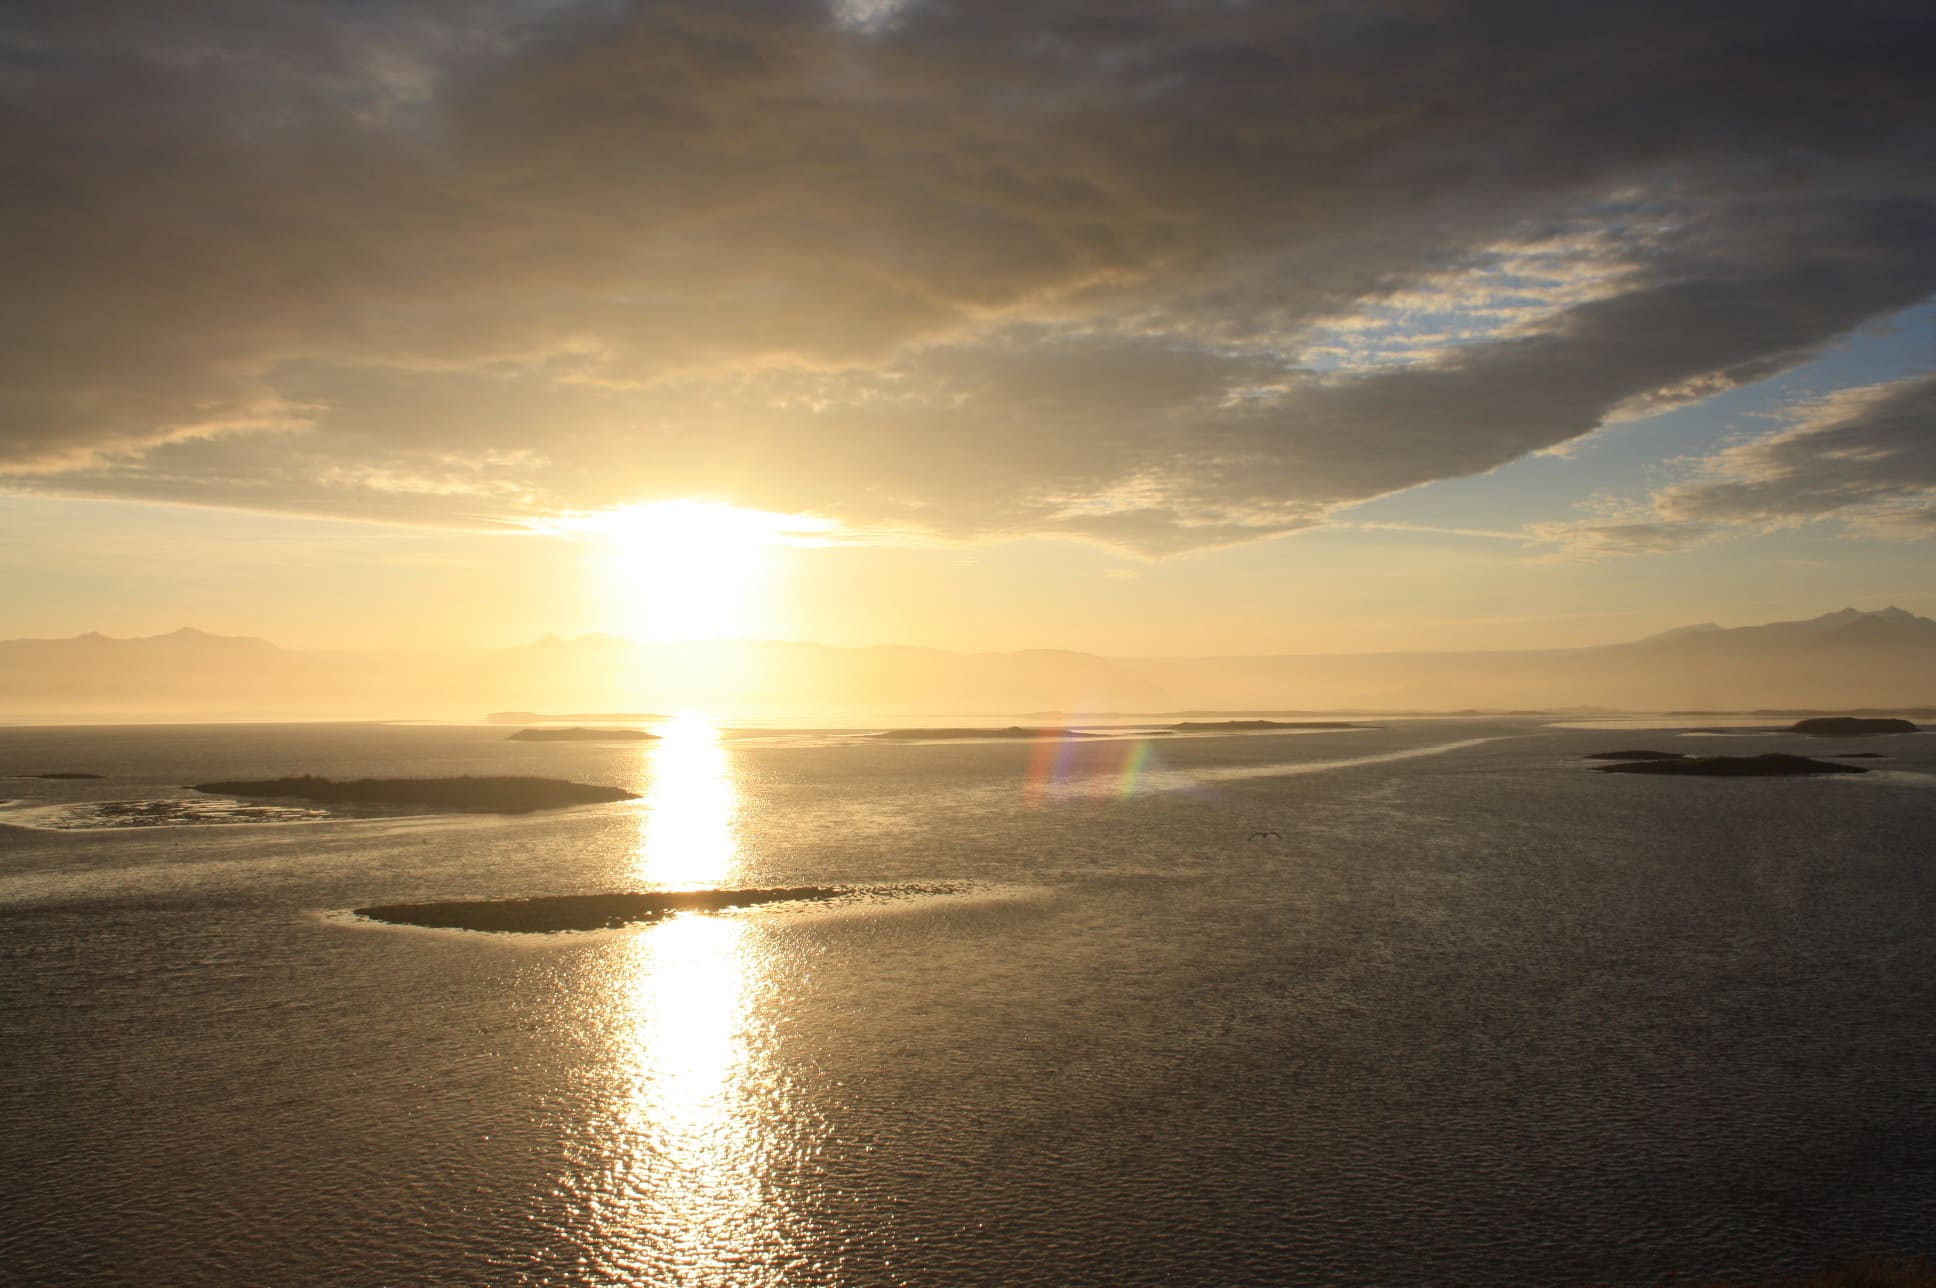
(1163, 276)
(1866, 456)
(1863, 458)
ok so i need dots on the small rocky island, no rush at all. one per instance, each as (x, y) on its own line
(493, 795)
(1773, 764)
(1851, 726)
(579, 733)
(62, 776)
(552, 913)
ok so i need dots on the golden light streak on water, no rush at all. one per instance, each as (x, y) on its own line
(684, 1192)
(688, 831)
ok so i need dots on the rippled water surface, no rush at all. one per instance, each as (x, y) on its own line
(1430, 1003)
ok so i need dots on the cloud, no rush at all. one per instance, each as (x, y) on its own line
(1162, 276)
(1864, 458)
(1638, 534)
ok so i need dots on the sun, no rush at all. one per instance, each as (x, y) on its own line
(694, 570)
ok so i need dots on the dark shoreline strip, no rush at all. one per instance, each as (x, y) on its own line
(1238, 726)
(578, 733)
(1013, 731)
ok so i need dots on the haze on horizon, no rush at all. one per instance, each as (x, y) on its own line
(1142, 330)
(1851, 659)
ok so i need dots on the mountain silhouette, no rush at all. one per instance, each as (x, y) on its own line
(1844, 660)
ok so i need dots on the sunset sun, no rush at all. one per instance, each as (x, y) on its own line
(693, 570)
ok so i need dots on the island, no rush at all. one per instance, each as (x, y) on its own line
(493, 795)
(1232, 726)
(1851, 726)
(1635, 755)
(1013, 731)
(549, 914)
(63, 776)
(1773, 764)
(578, 733)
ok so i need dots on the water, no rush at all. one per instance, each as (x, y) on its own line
(1473, 1015)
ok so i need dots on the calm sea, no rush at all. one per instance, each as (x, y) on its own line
(1431, 1003)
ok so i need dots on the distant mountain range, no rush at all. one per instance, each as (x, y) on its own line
(1850, 658)
(1846, 659)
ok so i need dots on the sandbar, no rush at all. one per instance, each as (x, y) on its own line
(496, 795)
(548, 914)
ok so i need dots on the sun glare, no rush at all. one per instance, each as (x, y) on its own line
(695, 570)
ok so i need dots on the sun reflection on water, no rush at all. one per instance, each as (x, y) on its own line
(689, 1157)
(688, 830)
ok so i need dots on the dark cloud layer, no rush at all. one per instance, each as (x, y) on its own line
(974, 269)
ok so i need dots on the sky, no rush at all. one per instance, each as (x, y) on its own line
(1139, 328)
